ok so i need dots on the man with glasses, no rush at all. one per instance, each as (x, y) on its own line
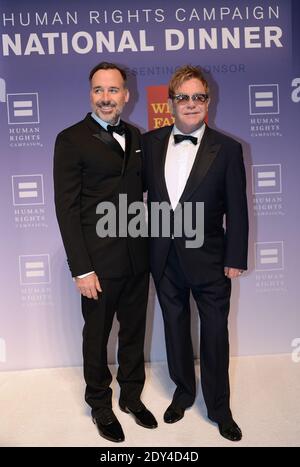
(189, 162)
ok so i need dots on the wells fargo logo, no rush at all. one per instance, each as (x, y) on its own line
(158, 109)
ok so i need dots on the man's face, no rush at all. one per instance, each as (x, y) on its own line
(189, 115)
(108, 95)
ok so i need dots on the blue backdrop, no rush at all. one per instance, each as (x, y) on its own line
(251, 58)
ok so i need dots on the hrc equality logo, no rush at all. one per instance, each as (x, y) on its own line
(23, 108)
(264, 99)
(34, 269)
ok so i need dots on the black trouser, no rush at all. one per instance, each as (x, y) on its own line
(128, 298)
(212, 300)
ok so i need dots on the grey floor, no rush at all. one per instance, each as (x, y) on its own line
(46, 408)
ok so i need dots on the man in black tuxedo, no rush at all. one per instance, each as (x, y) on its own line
(191, 163)
(96, 161)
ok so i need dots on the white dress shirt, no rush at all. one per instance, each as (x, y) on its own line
(180, 159)
(119, 138)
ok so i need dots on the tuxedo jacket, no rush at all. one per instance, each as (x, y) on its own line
(218, 180)
(90, 167)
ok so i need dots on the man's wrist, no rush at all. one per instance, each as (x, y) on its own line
(83, 275)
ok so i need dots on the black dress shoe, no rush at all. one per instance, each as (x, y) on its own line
(173, 414)
(230, 430)
(142, 416)
(108, 426)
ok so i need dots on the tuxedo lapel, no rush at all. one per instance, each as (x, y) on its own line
(102, 135)
(127, 148)
(204, 158)
(159, 149)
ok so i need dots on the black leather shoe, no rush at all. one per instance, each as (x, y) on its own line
(108, 426)
(142, 416)
(230, 430)
(173, 414)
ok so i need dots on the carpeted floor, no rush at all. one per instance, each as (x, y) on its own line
(46, 408)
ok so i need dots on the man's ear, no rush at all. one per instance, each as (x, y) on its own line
(127, 95)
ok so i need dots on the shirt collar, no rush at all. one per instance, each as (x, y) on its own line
(197, 133)
(102, 122)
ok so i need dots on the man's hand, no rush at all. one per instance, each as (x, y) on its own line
(232, 273)
(89, 286)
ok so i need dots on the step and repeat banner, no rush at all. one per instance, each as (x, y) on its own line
(250, 54)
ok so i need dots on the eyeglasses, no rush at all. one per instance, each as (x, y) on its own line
(184, 98)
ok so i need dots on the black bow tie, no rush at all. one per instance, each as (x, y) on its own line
(179, 137)
(120, 128)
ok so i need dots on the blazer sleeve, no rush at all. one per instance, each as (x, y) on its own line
(67, 173)
(236, 211)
